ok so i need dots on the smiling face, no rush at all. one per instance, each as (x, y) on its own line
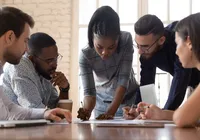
(105, 46)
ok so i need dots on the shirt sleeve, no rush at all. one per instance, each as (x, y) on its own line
(53, 98)
(126, 63)
(11, 111)
(148, 72)
(179, 84)
(26, 90)
(86, 75)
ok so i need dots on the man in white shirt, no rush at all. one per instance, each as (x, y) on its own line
(14, 33)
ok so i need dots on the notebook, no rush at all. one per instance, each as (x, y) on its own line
(22, 123)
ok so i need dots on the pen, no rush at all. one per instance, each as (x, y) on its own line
(135, 106)
(84, 113)
(143, 107)
(132, 106)
(81, 104)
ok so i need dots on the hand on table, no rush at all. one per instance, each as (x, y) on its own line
(129, 113)
(149, 111)
(83, 114)
(57, 114)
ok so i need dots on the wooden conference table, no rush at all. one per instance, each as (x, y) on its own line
(91, 132)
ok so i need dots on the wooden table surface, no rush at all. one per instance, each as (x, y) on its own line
(91, 132)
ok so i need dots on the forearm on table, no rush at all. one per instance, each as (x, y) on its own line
(120, 91)
(189, 112)
(167, 115)
(89, 102)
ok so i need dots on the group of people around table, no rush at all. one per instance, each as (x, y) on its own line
(29, 68)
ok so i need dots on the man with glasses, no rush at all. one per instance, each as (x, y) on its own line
(32, 82)
(157, 48)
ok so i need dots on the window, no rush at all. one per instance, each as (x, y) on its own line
(166, 10)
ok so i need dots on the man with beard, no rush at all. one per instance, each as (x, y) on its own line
(14, 33)
(32, 82)
(156, 46)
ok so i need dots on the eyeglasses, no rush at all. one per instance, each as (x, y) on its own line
(51, 60)
(145, 49)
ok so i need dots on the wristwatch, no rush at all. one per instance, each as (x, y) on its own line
(65, 89)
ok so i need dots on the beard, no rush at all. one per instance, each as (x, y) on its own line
(45, 73)
(149, 55)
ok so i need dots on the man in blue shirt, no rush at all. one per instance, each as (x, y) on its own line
(157, 48)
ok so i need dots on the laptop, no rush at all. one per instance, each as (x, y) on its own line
(22, 123)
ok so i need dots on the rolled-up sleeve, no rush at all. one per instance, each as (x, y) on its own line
(86, 75)
(126, 63)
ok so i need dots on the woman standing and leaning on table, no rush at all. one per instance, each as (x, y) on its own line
(106, 66)
(188, 49)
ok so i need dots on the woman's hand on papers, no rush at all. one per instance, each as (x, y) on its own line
(56, 113)
(83, 114)
(149, 111)
(143, 111)
(129, 113)
(105, 117)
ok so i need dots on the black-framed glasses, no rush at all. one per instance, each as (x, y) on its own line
(145, 49)
(51, 60)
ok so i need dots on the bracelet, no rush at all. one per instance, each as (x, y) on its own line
(65, 89)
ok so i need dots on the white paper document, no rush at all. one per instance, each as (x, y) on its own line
(148, 94)
(122, 121)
